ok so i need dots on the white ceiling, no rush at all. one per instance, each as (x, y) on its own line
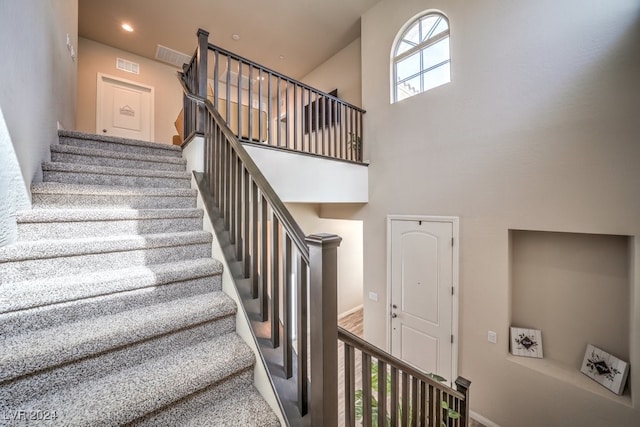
(306, 32)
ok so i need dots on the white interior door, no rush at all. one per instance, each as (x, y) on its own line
(124, 108)
(422, 301)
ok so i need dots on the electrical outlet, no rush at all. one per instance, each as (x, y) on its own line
(492, 337)
(373, 296)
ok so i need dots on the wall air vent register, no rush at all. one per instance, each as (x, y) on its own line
(127, 66)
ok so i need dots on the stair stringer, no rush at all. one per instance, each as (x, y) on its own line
(262, 380)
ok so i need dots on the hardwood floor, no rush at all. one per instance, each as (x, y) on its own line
(353, 323)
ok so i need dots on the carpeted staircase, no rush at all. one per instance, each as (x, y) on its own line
(111, 308)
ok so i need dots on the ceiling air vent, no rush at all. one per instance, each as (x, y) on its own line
(171, 56)
(128, 66)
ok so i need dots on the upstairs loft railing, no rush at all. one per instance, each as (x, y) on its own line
(267, 108)
(280, 265)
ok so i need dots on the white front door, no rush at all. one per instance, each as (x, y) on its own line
(421, 293)
(124, 108)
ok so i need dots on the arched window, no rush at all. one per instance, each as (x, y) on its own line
(421, 58)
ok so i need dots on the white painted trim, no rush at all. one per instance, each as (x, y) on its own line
(351, 311)
(333, 181)
(484, 421)
(455, 225)
(151, 89)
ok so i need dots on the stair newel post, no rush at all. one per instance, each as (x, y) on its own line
(202, 54)
(323, 313)
(462, 385)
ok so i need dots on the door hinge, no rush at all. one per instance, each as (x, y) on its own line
(452, 291)
(451, 339)
(452, 241)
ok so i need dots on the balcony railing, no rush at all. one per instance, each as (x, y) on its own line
(267, 108)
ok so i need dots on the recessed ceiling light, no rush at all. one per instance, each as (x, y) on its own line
(236, 37)
(127, 27)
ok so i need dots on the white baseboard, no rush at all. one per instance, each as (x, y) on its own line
(351, 311)
(483, 420)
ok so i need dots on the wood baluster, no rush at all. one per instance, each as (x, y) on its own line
(276, 251)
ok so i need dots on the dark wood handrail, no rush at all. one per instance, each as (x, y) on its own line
(284, 216)
(282, 76)
(368, 348)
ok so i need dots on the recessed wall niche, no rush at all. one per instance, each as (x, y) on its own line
(575, 288)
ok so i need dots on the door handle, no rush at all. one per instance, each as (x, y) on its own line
(104, 130)
(393, 315)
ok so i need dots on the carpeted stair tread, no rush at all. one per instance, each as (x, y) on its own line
(14, 393)
(233, 403)
(52, 258)
(64, 195)
(111, 170)
(46, 249)
(117, 143)
(64, 188)
(77, 223)
(79, 215)
(96, 156)
(131, 393)
(51, 315)
(108, 175)
(38, 350)
(30, 294)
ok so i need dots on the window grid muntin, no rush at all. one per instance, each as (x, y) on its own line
(430, 35)
(428, 42)
(425, 71)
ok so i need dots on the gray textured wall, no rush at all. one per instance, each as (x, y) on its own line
(38, 92)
